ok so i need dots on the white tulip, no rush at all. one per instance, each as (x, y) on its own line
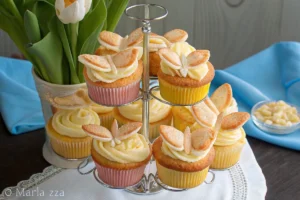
(72, 11)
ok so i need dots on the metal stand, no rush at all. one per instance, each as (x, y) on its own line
(150, 183)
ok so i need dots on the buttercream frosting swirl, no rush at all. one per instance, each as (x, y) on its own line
(107, 69)
(158, 110)
(100, 109)
(183, 49)
(69, 122)
(179, 153)
(229, 137)
(132, 149)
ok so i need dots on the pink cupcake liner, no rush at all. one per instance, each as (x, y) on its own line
(120, 178)
(114, 96)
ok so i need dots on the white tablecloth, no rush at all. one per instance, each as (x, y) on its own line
(245, 181)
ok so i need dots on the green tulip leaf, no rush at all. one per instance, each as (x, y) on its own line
(92, 21)
(115, 12)
(91, 43)
(67, 49)
(49, 51)
(43, 11)
(32, 28)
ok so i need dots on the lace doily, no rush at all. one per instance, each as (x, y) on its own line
(236, 174)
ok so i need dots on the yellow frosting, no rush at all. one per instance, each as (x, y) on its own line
(156, 43)
(158, 110)
(231, 108)
(229, 137)
(179, 153)
(111, 76)
(69, 122)
(183, 49)
(131, 150)
(100, 109)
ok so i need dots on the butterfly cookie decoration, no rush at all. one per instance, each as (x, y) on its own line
(78, 99)
(222, 97)
(110, 63)
(115, 135)
(234, 121)
(191, 142)
(205, 113)
(116, 43)
(181, 64)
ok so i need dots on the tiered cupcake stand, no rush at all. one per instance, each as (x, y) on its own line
(150, 183)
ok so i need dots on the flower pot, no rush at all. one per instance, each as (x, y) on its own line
(46, 90)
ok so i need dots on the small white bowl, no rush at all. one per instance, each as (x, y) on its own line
(274, 129)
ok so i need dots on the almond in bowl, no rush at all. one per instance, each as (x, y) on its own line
(276, 117)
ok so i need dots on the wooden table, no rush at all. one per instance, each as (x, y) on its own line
(21, 156)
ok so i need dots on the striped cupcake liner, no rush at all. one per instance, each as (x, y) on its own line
(120, 178)
(114, 96)
(71, 149)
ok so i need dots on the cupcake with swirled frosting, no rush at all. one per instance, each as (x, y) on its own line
(183, 158)
(160, 114)
(66, 135)
(120, 154)
(105, 114)
(230, 140)
(113, 79)
(185, 74)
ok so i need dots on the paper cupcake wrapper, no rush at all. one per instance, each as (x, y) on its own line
(106, 119)
(71, 149)
(120, 178)
(182, 95)
(226, 157)
(114, 96)
(178, 179)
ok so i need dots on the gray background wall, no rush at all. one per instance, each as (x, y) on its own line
(231, 29)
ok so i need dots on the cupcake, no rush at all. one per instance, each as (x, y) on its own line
(183, 159)
(160, 114)
(105, 114)
(230, 140)
(66, 135)
(120, 155)
(113, 80)
(223, 99)
(112, 43)
(184, 78)
(203, 114)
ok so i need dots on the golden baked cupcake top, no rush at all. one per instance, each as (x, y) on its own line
(111, 68)
(231, 128)
(180, 64)
(69, 122)
(188, 146)
(223, 99)
(158, 110)
(122, 145)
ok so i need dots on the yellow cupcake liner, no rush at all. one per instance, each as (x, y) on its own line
(226, 157)
(179, 123)
(178, 179)
(153, 127)
(106, 119)
(182, 95)
(67, 147)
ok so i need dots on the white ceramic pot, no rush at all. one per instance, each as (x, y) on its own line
(46, 90)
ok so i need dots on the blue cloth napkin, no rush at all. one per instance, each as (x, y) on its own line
(19, 102)
(272, 74)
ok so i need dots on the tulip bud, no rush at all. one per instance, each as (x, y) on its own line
(72, 11)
